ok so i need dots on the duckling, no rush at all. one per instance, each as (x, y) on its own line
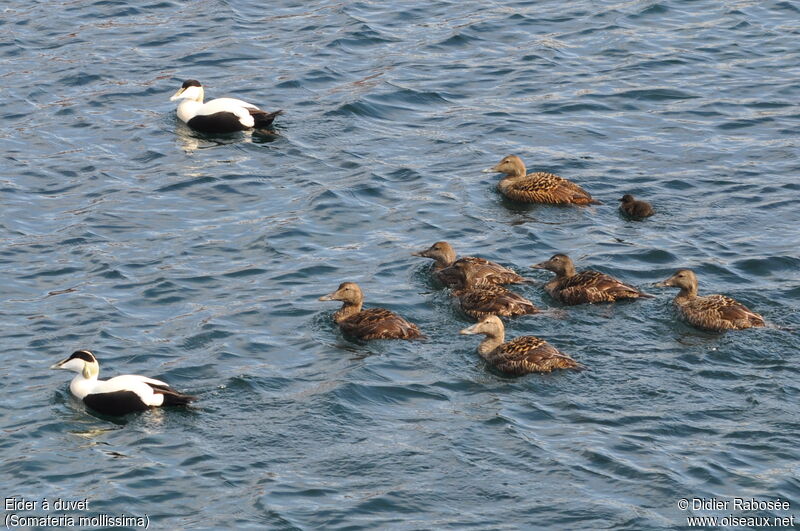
(521, 355)
(483, 271)
(589, 286)
(538, 187)
(479, 299)
(709, 312)
(636, 210)
(374, 323)
(119, 395)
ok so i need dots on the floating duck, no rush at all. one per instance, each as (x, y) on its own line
(521, 355)
(539, 187)
(374, 323)
(479, 299)
(709, 312)
(119, 395)
(589, 286)
(634, 209)
(483, 271)
(222, 115)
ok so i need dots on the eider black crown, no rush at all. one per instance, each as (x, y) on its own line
(191, 83)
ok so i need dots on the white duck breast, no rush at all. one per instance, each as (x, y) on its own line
(119, 395)
(222, 115)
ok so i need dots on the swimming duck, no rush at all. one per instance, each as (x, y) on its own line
(521, 355)
(483, 271)
(634, 209)
(709, 312)
(222, 115)
(538, 187)
(119, 395)
(589, 286)
(479, 299)
(374, 323)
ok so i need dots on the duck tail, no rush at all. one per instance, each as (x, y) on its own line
(174, 398)
(264, 119)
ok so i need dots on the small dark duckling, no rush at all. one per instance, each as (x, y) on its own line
(483, 271)
(479, 299)
(709, 312)
(587, 286)
(538, 187)
(374, 323)
(521, 355)
(636, 210)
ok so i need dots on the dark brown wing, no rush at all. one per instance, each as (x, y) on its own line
(543, 187)
(483, 300)
(718, 312)
(379, 323)
(526, 354)
(591, 286)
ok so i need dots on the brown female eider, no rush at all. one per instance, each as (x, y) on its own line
(709, 312)
(589, 286)
(521, 355)
(483, 271)
(538, 187)
(479, 299)
(636, 210)
(374, 323)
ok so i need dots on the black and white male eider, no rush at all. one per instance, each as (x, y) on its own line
(222, 115)
(119, 395)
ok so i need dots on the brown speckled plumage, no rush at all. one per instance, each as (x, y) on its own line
(484, 299)
(479, 299)
(374, 323)
(636, 210)
(483, 271)
(521, 355)
(709, 312)
(570, 287)
(538, 187)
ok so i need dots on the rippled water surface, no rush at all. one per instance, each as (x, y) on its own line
(199, 260)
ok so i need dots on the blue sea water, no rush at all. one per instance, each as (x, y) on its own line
(199, 260)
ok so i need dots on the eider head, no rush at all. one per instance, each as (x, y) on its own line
(627, 198)
(348, 293)
(82, 361)
(683, 278)
(442, 252)
(511, 165)
(490, 326)
(190, 90)
(560, 264)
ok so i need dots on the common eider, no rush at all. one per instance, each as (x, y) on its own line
(374, 323)
(482, 270)
(480, 299)
(538, 187)
(119, 395)
(636, 210)
(222, 115)
(709, 312)
(587, 286)
(521, 355)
